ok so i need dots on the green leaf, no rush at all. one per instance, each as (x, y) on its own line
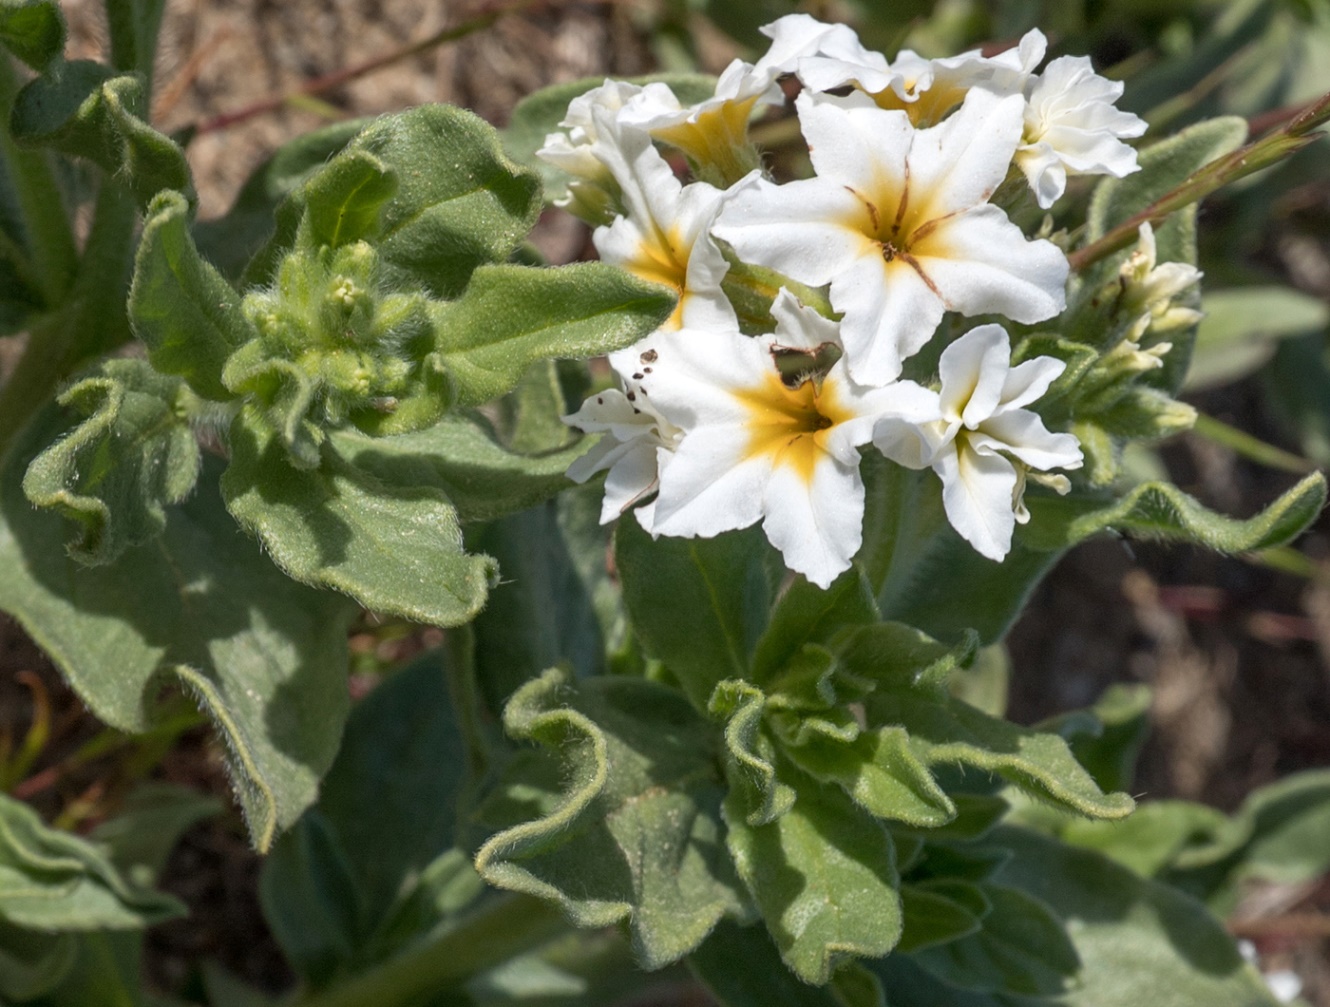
(540, 112)
(1139, 941)
(459, 203)
(116, 471)
(512, 316)
(82, 110)
(1107, 738)
(133, 27)
(107, 969)
(636, 835)
(882, 773)
(33, 30)
(807, 614)
(823, 876)
(334, 881)
(1241, 328)
(53, 881)
(180, 306)
(230, 241)
(345, 198)
(1152, 837)
(749, 753)
(699, 605)
(1020, 947)
(395, 549)
(140, 836)
(541, 614)
(1162, 511)
(932, 918)
(200, 608)
(931, 578)
(1297, 386)
(33, 963)
(741, 967)
(460, 457)
(1163, 167)
(946, 731)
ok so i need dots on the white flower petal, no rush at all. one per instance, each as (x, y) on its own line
(711, 485)
(973, 370)
(1022, 433)
(632, 477)
(1028, 381)
(816, 525)
(959, 163)
(982, 264)
(803, 229)
(801, 327)
(977, 497)
(890, 313)
(862, 147)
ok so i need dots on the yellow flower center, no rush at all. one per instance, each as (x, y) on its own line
(662, 258)
(792, 425)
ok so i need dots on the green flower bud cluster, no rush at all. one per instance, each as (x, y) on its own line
(334, 347)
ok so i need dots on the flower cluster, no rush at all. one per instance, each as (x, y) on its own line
(714, 428)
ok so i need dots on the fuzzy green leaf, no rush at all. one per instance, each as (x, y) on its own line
(542, 613)
(331, 884)
(140, 836)
(462, 458)
(83, 110)
(932, 917)
(230, 241)
(180, 306)
(134, 25)
(931, 578)
(33, 30)
(512, 316)
(199, 608)
(741, 967)
(117, 470)
(395, 549)
(1020, 947)
(636, 835)
(539, 114)
(749, 754)
(807, 614)
(1139, 941)
(345, 198)
(460, 203)
(945, 731)
(54, 881)
(33, 963)
(882, 773)
(823, 876)
(699, 605)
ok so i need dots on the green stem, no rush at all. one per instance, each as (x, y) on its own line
(1248, 446)
(92, 320)
(506, 928)
(460, 668)
(1262, 153)
(49, 240)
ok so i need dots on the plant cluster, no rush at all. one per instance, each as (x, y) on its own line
(763, 753)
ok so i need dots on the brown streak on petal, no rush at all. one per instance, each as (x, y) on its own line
(914, 264)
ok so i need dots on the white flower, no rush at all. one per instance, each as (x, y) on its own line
(796, 36)
(590, 149)
(636, 443)
(664, 235)
(755, 448)
(970, 432)
(897, 221)
(1149, 288)
(925, 89)
(1072, 128)
(714, 131)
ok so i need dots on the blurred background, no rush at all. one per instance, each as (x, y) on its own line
(1236, 650)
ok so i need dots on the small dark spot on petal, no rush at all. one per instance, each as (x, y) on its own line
(647, 369)
(637, 376)
(632, 396)
(600, 401)
(649, 357)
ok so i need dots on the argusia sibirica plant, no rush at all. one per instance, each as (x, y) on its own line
(912, 346)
